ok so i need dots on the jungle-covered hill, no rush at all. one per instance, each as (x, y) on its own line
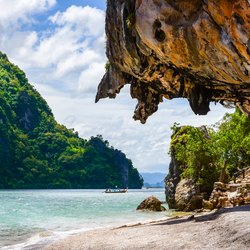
(37, 152)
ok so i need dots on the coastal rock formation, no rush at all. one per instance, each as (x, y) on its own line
(187, 197)
(183, 194)
(210, 163)
(151, 204)
(171, 180)
(199, 50)
(232, 194)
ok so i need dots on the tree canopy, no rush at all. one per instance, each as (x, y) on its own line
(37, 152)
(203, 152)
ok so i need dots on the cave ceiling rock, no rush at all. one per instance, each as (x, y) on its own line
(199, 50)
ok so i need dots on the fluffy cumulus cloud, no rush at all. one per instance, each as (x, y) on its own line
(17, 12)
(68, 52)
(89, 20)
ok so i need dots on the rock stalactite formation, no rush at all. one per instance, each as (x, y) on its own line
(199, 50)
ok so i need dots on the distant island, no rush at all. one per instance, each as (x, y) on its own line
(154, 180)
(37, 152)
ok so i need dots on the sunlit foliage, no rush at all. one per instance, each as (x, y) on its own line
(203, 152)
(37, 152)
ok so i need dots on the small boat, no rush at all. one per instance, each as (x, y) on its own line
(115, 191)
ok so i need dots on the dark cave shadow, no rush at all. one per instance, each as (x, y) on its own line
(205, 217)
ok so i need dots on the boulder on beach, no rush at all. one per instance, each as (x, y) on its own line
(151, 204)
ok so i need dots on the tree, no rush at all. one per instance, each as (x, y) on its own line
(202, 153)
(37, 152)
(232, 140)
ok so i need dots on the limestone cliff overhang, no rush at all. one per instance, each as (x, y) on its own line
(199, 50)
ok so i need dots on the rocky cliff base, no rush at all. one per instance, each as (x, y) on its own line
(235, 193)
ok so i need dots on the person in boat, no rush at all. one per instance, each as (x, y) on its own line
(108, 190)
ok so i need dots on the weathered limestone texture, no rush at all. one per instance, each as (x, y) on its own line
(199, 50)
(172, 180)
(187, 196)
(232, 194)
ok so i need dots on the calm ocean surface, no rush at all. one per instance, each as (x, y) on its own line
(33, 218)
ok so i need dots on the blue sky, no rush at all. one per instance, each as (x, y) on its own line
(62, 5)
(61, 47)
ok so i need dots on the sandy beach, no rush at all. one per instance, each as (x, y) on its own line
(221, 229)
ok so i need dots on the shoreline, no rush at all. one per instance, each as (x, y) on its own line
(55, 214)
(42, 240)
(221, 229)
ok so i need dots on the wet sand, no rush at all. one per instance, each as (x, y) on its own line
(221, 229)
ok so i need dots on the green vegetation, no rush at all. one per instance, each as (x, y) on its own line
(130, 20)
(202, 153)
(107, 66)
(37, 152)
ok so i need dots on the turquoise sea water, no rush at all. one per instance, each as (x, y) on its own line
(33, 218)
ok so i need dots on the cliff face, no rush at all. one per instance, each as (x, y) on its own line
(199, 50)
(172, 180)
(183, 191)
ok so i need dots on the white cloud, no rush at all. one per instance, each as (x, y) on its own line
(14, 12)
(68, 53)
(13, 15)
(89, 77)
(89, 20)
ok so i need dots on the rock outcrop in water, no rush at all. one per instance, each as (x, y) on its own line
(199, 50)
